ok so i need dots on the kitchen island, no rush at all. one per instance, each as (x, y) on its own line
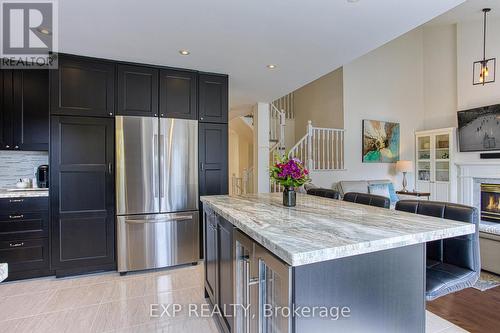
(366, 265)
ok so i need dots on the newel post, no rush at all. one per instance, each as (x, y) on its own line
(309, 145)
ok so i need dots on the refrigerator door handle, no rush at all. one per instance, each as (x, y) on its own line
(161, 220)
(156, 165)
(162, 164)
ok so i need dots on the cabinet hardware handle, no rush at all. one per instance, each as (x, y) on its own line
(16, 147)
(110, 168)
(14, 217)
(16, 200)
(202, 166)
(201, 118)
(161, 115)
(7, 146)
(111, 113)
(16, 244)
(156, 115)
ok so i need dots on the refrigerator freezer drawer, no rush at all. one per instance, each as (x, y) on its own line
(157, 240)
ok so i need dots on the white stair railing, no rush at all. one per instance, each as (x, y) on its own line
(276, 125)
(321, 149)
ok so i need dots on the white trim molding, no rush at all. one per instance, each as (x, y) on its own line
(468, 172)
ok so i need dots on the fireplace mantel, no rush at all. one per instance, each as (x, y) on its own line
(471, 174)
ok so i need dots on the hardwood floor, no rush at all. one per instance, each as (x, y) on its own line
(471, 309)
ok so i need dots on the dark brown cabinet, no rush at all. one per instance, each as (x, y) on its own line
(213, 98)
(24, 114)
(211, 257)
(213, 156)
(83, 87)
(24, 242)
(219, 260)
(137, 93)
(82, 194)
(178, 94)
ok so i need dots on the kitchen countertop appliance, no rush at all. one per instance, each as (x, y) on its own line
(156, 192)
(42, 176)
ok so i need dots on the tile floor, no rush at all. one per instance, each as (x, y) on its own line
(109, 302)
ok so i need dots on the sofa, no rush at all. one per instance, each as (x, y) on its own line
(369, 186)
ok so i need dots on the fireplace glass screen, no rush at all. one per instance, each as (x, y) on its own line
(490, 202)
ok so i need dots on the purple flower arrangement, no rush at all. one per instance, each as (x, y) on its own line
(289, 172)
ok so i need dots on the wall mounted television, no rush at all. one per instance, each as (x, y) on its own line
(479, 129)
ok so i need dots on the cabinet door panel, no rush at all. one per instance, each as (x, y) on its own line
(178, 92)
(213, 98)
(211, 255)
(6, 109)
(226, 269)
(82, 193)
(213, 156)
(137, 91)
(31, 109)
(83, 88)
(25, 255)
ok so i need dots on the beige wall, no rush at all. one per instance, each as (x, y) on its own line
(321, 101)
(440, 76)
(385, 84)
(240, 147)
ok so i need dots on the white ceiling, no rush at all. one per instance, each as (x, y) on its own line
(470, 10)
(306, 39)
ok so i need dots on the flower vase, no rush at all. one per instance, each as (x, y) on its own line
(289, 197)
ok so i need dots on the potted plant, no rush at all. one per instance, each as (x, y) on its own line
(290, 173)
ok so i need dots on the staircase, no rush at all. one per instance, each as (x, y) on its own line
(320, 149)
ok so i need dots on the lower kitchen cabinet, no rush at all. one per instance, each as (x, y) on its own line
(219, 266)
(82, 194)
(24, 242)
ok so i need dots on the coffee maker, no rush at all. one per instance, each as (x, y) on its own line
(42, 176)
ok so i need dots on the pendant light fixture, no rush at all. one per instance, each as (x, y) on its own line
(484, 70)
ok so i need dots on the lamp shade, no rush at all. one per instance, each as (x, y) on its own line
(404, 166)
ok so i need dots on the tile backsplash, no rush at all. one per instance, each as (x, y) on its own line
(19, 164)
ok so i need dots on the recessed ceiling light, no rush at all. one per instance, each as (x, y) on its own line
(184, 52)
(271, 66)
(44, 31)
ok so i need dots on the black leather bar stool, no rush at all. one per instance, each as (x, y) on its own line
(368, 199)
(324, 192)
(453, 264)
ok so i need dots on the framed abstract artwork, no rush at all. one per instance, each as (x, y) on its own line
(380, 141)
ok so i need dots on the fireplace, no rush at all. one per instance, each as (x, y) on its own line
(490, 202)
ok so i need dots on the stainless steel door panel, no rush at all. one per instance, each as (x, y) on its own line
(178, 165)
(153, 241)
(135, 245)
(137, 165)
(177, 239)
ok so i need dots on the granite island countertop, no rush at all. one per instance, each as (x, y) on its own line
(320, 229)
(24, 194)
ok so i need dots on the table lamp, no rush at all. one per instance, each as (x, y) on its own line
(404, 167)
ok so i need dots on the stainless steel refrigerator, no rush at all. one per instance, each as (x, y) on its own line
(156, 192)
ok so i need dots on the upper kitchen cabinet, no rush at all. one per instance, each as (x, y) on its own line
(213, 98)
(24, 115)
(178, 93)
(83, 87)
(31, 109)
(137, 91)
(213, 157)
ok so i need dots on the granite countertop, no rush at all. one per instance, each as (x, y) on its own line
(4, 271)
(320, 229)
(23, 194)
